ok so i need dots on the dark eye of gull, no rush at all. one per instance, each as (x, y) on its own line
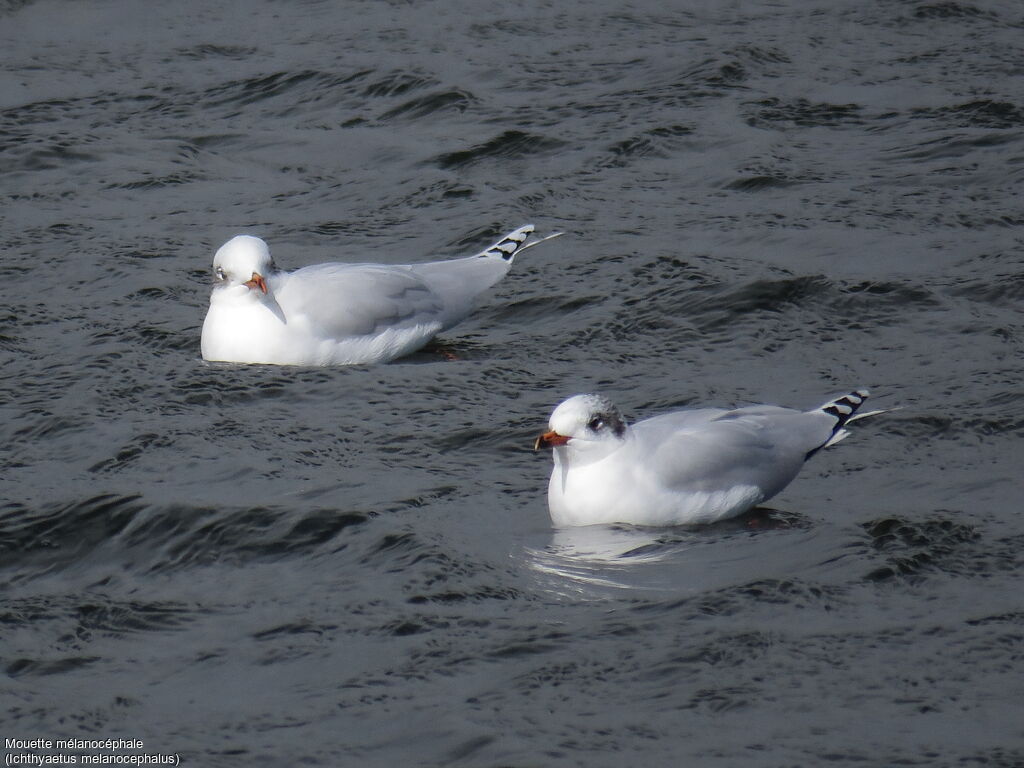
(219, 274)
(596, 423)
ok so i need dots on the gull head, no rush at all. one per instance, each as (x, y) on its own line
(243, 260)
(584, 423)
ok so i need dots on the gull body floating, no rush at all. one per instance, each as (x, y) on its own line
(342, 314)
(687, 467)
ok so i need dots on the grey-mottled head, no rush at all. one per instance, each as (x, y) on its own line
(587, 421)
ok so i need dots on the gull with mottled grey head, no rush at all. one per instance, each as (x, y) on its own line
(686, 467)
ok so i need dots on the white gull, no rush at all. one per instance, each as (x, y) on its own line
(340, 314)
(681, 468)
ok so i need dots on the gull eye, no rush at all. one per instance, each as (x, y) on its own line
(595, 423)
(219, 274)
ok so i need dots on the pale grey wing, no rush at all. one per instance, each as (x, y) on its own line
(460, 281)
(763, 446)
(664, 426)
(342, 300)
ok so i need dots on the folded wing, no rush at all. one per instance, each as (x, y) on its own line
(344, 300)
(762, 446)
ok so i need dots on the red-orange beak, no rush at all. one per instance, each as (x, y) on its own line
(257, 281)
(550, 440)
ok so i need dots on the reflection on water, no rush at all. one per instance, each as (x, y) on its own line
(630, 557)
(604, 556)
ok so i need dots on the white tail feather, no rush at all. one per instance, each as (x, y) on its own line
(544, 239)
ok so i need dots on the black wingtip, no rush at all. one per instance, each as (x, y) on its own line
(842, 410)
(508, 245)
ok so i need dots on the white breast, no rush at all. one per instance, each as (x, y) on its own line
(616, 489)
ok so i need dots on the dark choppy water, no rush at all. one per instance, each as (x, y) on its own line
(767, 202)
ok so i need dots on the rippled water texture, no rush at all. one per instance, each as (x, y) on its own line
(764, 202)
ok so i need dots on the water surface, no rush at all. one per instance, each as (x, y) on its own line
(763, 203)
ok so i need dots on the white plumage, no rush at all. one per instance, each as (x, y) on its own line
(686, 467)
(338, 314)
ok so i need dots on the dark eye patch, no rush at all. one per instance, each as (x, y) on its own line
(596, 423)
